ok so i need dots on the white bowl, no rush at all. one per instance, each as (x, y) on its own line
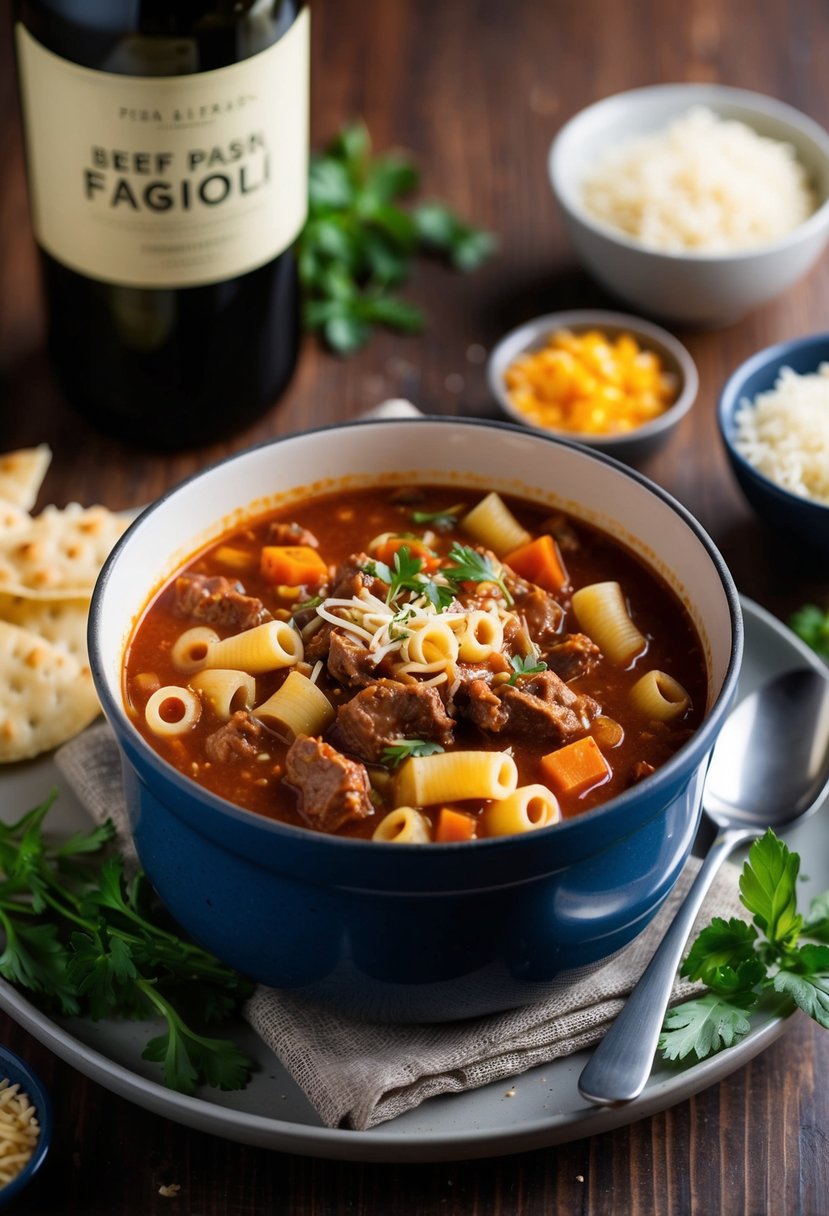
(701, 289)
(631, 445)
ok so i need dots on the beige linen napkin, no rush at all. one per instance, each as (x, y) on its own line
(357, 1074)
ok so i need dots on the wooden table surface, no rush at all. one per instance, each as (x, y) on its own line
(475, 90)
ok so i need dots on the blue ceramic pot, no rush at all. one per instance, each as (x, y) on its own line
(407, 932)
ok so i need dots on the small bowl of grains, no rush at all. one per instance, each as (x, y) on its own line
(695, 203)
(773, 417)
(613, 382)
(25, 1124)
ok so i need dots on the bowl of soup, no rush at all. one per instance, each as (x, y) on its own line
(414, 714)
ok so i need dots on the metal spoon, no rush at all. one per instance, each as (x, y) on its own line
(770, 767)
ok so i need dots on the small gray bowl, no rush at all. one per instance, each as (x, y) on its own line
(699, 289)
(633, 445)
(797, 519)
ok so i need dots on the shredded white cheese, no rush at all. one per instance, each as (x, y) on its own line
(784, 433)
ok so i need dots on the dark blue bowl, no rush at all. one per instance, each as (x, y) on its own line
(408, 932)
(798, 519)
(20, 1073)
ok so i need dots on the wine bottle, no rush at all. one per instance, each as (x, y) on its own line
(167, 156)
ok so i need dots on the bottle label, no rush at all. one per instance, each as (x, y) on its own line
(167, 181)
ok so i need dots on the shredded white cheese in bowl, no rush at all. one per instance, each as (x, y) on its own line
(784, 433)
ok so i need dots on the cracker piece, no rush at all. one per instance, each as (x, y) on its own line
(59, 554)
(61, 622)
(22, 473)
(46, 696)
(13, 519)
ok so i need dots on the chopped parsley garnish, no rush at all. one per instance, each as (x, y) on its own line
(406, 574)
(779, 952)
(525, 665)
(470, 566)
(403, 748)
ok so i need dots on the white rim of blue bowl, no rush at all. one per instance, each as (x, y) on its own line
(565, 191)
(529, 336)
(729, 402)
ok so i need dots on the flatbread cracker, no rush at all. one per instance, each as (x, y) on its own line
(46, 695)
(22, 473)
(59, 554)
(61, 622)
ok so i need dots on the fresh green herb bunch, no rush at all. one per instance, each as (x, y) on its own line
(358, 243)
(89, 942)
(779, 952)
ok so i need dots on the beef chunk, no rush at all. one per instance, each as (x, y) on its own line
(640, 770)
(332, 788)
(242, 737)
(351, 578)
(349, 662)
(389, 710)
(539, 707)
(542, 613)
(218, 601)
(291, 534)
(317, 644)
(573, 656)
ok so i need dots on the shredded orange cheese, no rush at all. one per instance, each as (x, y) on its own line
(590, 383)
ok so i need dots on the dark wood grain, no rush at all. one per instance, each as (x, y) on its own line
(475, 90)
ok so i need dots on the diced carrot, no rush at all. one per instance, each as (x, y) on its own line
(454, 825)
(540, 562)
(576, 767)
(293, 565)
(393, 544)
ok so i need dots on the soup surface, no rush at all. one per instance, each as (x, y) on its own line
(415, 664)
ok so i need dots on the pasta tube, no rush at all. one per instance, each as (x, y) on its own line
(404, 825)
(481, 635)
(172, 711)
(528, 808)
(455, 776)
(491, 523)
(659, 696)
(603, 615)
(190, 649)
(224, 690)
(266, 647)
(298, 707)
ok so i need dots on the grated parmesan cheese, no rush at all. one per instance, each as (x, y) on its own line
(784, 433)
(19, 1130)
(704, 184)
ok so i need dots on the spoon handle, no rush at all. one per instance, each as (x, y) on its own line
(621, 1064)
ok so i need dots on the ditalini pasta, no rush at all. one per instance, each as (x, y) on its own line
(416, 664)
(403, 825)
(527, 808)
(659, 696)
(491, 523)
(602, 612)
(172, 711)
(297, 707)
(448, 776)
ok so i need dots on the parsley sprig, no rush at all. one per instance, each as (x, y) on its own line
(525, 665)
(406, 575)
(399, 751)
(779, 952)
(358, 243)
(88, 941)
(470, 566)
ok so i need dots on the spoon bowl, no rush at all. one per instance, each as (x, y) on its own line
(769, 768)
